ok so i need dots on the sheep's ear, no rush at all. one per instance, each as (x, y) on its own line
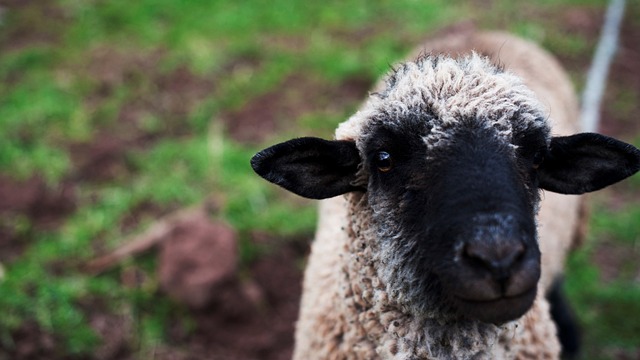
(310, 167)
(586, 162)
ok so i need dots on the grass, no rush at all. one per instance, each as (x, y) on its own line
(71, 77)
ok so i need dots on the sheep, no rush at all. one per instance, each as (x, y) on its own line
(433, 251)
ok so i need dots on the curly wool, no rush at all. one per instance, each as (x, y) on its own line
(452, 91)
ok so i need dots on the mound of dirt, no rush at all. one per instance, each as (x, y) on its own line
(198, 260)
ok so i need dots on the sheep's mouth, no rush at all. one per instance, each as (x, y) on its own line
(496, 310)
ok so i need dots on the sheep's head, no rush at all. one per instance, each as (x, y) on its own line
(451, 157)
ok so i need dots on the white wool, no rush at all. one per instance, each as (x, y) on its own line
(453, 90)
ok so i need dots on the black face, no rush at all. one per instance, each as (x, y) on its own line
(457, 224)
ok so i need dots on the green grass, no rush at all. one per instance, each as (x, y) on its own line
(607, 307)
(59, 92)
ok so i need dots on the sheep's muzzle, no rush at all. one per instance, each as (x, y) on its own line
(497, 269)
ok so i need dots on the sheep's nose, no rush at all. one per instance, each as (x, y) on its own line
(498, 259)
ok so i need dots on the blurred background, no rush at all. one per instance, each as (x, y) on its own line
(131, 225)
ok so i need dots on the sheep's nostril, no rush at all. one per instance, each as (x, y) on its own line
(497, 259)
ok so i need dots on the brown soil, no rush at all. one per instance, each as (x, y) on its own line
(34, 22)
(30, 205)
(296, 96)
(266, 326)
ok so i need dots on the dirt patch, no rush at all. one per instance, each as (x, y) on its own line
(297, 95)
(615, 261)
(198, 260)
(31, 343)
(167, 96)
(31, 22)
(266, 325)
(115, 332)
(102, 159)
(30, 205)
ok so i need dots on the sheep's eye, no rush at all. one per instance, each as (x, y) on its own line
(383, 161)
(538, 158)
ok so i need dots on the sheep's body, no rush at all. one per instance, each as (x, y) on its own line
(345, 312)
(338, 321)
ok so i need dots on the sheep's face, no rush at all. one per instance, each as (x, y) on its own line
(450, 157)
(455, 224)
(450, 149)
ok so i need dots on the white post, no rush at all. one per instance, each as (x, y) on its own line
(597, 75)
